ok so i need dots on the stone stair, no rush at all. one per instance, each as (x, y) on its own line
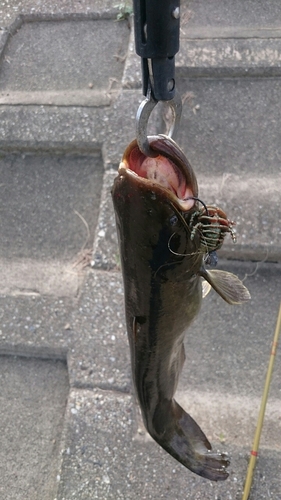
(70, 86)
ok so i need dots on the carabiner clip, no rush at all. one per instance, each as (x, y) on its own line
(143, 114)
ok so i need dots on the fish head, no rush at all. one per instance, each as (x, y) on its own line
(154, 200)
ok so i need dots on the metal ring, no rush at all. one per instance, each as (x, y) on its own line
(143, 114)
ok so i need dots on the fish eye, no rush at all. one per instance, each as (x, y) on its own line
(173, 220)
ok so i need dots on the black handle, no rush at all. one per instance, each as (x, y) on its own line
(157, 24)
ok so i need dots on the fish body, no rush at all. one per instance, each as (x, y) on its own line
(163, 246)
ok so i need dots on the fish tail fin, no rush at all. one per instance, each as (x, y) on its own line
(227, 285)
(178, 433)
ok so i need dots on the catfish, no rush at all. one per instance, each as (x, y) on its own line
(166, 238)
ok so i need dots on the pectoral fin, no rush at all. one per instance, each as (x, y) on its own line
(227, 285)
(206, 287)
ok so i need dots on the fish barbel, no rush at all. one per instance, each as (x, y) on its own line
(164, 239)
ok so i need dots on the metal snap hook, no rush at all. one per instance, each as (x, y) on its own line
(143, 114)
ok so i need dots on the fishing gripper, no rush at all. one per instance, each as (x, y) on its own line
(157, 42)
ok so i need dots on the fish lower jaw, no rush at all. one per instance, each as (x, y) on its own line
(188, 202)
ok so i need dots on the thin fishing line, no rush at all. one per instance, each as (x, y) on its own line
(179, 254)
(200, 201)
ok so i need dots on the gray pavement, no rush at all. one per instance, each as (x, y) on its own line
(69, 90)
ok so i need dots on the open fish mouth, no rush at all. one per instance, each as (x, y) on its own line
(169, 171)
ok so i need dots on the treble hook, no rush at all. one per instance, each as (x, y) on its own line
(143, 114)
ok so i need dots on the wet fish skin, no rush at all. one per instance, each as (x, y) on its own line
(162, 268)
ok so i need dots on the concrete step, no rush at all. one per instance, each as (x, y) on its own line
(227, 76)
(33, 400)
(49, 208)
(227, 352)
(232, 418)
(70, 85)
(229, 14)
(45, 55)
(112, 459)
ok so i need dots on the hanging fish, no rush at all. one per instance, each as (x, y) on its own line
(166, 237)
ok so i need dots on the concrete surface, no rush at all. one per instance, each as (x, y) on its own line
(49, 207)
(41, 42)
(70, 85)
(33, 400)
(105, 451)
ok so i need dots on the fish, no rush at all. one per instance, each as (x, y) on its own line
(167, 237)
